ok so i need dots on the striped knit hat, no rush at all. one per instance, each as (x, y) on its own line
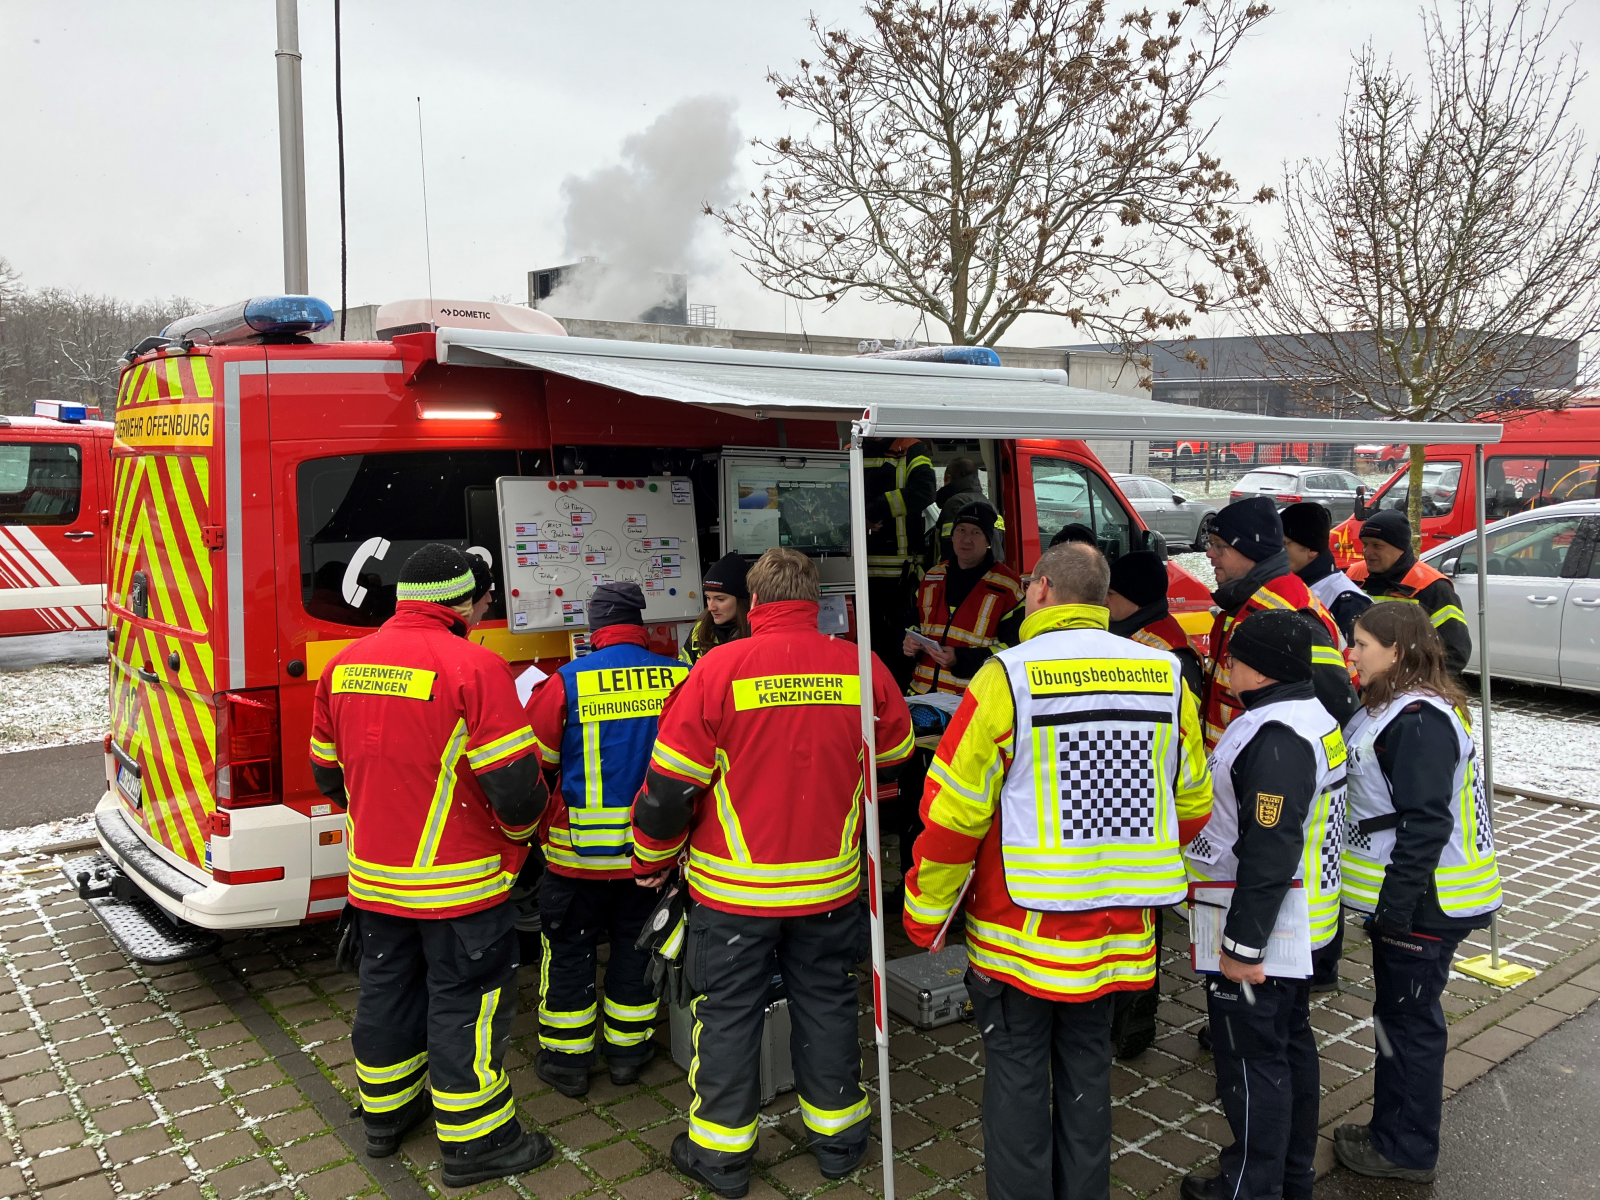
(437, 574)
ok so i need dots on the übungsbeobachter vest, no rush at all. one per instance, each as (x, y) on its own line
(1467, 876)
(1212, 853)
(1088, 815)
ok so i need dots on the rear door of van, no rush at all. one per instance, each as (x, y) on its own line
(166, 486)
(51, 540)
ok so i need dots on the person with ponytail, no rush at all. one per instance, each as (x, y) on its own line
(1419, 861)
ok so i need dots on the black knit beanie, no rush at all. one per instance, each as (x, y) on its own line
(1251, 527)
(1140, 578)
(980, 513)
(482, 577)
(438, 574)
(1390, 526)
(1075, 532)
(1276, 643)
(1308, 524)
(616, 604)
(727, 575)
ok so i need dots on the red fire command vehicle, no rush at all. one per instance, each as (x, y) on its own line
(55, 515)
(1544, 458)
(269, 491)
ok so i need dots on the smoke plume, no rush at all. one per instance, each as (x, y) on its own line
(639, 217)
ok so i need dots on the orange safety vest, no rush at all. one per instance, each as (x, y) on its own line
(973, 626)
(1420, 576)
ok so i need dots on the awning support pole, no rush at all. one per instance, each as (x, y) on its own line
(1490, 967)
(880, 1014)
(1483, 669)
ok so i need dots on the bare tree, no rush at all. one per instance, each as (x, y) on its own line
(64, 345)
(979, 160)
(1444, 265)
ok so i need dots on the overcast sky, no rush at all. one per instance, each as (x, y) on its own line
(140, 140)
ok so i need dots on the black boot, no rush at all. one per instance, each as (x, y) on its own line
(681, 1164)
(837, 1166)
(568, 1078)
(626, 1073)
(385, 1131)
(531, 1149)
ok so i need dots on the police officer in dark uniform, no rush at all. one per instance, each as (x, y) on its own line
(419, 732)
(1279, 775)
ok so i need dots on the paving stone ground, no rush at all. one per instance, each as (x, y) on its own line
(231, 1076)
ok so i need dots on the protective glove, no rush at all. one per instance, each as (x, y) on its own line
(1385, 923)
(348, 956)
(664, 934)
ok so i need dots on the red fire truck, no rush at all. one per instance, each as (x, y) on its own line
(268, 491)
(55, 514)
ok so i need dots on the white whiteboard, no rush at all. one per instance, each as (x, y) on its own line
(561, 536)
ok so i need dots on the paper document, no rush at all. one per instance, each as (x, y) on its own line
(944, 930)
(927, 643)
(1288, 949)
(527, 681)
(943, 701)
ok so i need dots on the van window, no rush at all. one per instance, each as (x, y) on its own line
(1440, 483)
(40, 482)
(362, 515)
(1518, 484)
(1065, 493)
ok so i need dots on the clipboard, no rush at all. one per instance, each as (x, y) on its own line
(1288, 947)
(922, 640)
(944, 930)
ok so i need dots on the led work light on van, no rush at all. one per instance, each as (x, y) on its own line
(260, 319)
(429, 410)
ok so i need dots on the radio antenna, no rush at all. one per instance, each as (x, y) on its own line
(427, 239)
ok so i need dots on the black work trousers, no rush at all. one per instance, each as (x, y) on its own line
(574, 913)
(1046, 1093)
(731, 959)
(1409, 974)
(1267, 1081)
(437, 998)
(1133, 1014)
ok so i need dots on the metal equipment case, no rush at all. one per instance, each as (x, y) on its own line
(928, 989)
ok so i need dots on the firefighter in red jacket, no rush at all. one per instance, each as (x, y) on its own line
(758, 768)
(1254, 575)
(1065, 786)
(419, 732)
(595, 719)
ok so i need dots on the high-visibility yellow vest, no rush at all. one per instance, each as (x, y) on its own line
(1088, 814)
(1467, 877)
(1212, 853)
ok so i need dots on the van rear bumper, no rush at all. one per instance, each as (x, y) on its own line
(187, 892)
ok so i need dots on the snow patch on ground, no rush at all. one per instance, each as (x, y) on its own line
(50, 833)
(1198, 565)
(53, 706)
(1559, 757)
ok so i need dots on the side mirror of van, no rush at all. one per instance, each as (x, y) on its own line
(1157, 542)
(1359, 510)
(1449, 565)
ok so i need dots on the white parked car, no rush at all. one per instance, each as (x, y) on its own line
(1544, 593)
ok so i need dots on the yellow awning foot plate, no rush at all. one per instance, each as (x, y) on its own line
(1508, 974)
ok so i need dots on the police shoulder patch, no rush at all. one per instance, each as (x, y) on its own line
(1268, 809)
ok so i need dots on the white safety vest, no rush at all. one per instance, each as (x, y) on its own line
(1330, 587)
(1089, 818)
(1211, 856)
(1467, 878)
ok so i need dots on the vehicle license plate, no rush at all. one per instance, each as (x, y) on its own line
(129, 785)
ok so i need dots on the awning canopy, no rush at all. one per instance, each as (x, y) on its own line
(898, 398)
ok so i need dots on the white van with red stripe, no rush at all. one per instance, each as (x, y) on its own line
(55, 518)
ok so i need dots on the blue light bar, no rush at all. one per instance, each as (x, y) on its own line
(253, 320)
(60, 410)
(970, 356)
